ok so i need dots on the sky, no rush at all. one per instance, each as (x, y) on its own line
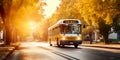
(51, 7)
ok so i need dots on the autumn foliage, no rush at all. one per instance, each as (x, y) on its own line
(98, 13)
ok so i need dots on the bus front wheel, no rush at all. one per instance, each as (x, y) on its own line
(58, 45)
(76, 46)
(50, 44)
(62, 45)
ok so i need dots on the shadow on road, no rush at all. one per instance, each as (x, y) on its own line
(68, 47)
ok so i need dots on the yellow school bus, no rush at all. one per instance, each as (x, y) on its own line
(65, 32)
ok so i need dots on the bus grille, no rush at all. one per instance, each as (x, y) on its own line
(70, 38)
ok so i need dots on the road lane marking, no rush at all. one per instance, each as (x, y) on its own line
(68, 57)
(15, 56)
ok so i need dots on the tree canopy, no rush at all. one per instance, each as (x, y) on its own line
(16, 15)
(98, 13)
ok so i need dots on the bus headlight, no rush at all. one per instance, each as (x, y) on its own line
(78, 38)
(63, 38)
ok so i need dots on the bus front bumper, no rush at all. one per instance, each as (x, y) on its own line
(65, 42)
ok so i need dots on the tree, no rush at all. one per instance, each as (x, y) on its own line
(67, 10)
(98, 13)
(101, 17)
(45, 26)
(5, 11)
(104, 30)
(17, 12)
(116, 24)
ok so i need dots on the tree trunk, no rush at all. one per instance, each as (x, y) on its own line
(7, 35)
(90, 34)
(106, 40)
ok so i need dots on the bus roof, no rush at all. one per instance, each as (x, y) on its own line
(62, 22)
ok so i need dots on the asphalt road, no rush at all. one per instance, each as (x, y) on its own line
(42, 51)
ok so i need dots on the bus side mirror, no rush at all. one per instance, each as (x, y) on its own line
(84, 26)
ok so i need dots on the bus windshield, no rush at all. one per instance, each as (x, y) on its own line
(71, 29)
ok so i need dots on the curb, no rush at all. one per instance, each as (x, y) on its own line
(102, 47)
(9, 53)
(3, 57)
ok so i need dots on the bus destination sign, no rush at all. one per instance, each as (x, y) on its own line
(70, 21)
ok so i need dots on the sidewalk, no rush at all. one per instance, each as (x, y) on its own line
(108, 46)
(5, 51)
